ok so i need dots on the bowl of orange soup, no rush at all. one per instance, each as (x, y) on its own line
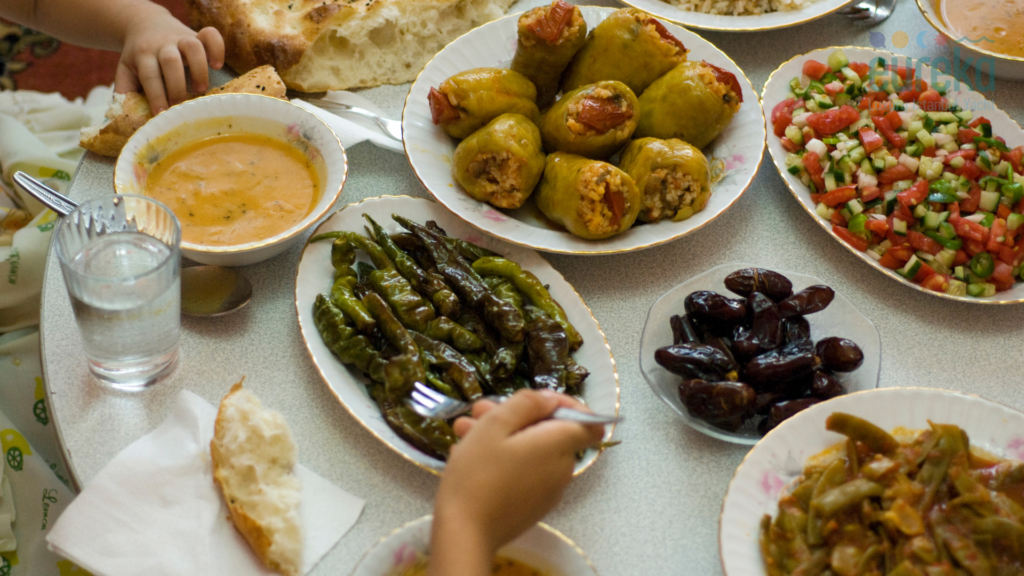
(245, 174)
(988, 34)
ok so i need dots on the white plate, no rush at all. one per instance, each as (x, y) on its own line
(315, 276)
(542, 547)
(740, 147)
(776, 89)
(769, 21)
(839, 319)
(778, 459)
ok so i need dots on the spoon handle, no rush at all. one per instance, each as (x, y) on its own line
(54, 200)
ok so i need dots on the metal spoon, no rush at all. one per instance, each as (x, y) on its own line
(869, 12)
(205, 290)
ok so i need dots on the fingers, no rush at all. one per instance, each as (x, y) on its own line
(561, 437)
(125, 80)
(524, 408)
(481, 407)
(213, 43)
(463, 425)
(152, 83)
(174, 74)
(195, 55)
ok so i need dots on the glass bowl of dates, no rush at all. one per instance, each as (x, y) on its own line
(738, 349)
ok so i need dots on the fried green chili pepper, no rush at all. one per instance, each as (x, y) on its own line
(349, 346)
(547, 351)
(495, 311)
(458, 369)
(629, 46)
(531, 287)
(442, 297)
(405, 368)
(465, 248)
(430, 435)
(468, 100)
(504, 289)
(343, 256)
(589, 198)
(689, 103)
(449, 331)
(500, 163)
(549, 36)
(673, 177)
(594, 120)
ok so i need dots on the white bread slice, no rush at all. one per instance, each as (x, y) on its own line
(253, 457)
(340, 44)
(128, 112)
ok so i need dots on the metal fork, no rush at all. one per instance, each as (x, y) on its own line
(432, 404)
(393, 128)
(869, 12)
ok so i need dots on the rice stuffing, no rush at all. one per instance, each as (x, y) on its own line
(739, 7)
(501, 176)
(594, 209)
(667, 192)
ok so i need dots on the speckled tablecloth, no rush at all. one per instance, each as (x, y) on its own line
(648, 506)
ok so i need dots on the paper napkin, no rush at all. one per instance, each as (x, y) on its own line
(352, 129)
(155, 510)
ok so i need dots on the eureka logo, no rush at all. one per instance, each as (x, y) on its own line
(957, 67)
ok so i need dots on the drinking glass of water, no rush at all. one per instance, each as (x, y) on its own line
(121, 259)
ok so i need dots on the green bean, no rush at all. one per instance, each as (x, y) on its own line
(933, 472)
(832, 477)
(965, 551)
(862, 431)
(845, 495)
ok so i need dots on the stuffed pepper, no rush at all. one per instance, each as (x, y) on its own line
(629, 46)
(595, 120)
(673, 177)
(467, 101)
(589, 198)
(549, 36)
(694, 102)
(502, 162)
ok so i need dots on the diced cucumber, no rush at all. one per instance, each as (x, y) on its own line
(823, 101)
(950, 146)
(946, 256)
(824, 210)
(956, 288)
(947, 230)
(838, 60)
(865, 166)
(981, 290)
(915, 149)
(795, 134)
(911, 269)
(925, 139)
(915, 127)
(958, 162)
(830, 181)
(920, 210)
(964, 115)
(857, 155)
(855, 207)
(899, 227)
(794, 170)
(846, 165)
(878, 164)
(983, 160)
(890, 206)
(987, 220)
(960, 273)
(989, 201)
(933, 219)
(1014, 221)
(890, 161)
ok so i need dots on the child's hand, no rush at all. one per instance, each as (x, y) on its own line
(154, 45)
(509, 470)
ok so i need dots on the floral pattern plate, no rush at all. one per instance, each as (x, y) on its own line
(778, 459)
(729, 23)
(737, 151)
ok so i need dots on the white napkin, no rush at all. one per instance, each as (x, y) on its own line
(353, 129)
(155, 510)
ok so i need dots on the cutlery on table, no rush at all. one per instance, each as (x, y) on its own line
(393, 128)
(432, 404)
(869, 12)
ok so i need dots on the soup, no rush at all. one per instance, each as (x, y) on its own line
(1001, 22)
(235, 189)
(502, 567)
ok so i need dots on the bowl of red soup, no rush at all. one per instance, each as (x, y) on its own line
(245, 174)
(985, 34)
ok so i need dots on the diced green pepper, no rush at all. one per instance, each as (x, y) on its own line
(982, 265)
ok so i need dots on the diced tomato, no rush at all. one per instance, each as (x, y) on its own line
(930, 100)
(837, 219)
(850, 238)
(924, 272)
(902, 71)
(441, 110)
(961, 258)
(965, 154)
(816, 198)
(890, 261)
(936, 282)
(954, 211)
(815, 70)
(814, 169)
(790, 146)
(1003, 211)
(997, 231)
(883, 126)
(861, 68)
(833, 120)
(895, 174)
(904, 213)
(880, 107)
(913, 90)
(929, 152)
(971, 230)
(779, 125)
(970, 204)
(973, 247)
(914, 195)
(901, 253)
(870, 193)
(877, 226)
(966, 135)
(870, 139)
(839, 196)
(665, 34)
(923, 243)
(1002, 276)
(725, 77)
(895, 120)
(786, 106)
(969, 171)
(602, 114)
(616, 203)
(979, 121)
(833, 88)
(1014, 157)
(550, 25)
(1013, 256)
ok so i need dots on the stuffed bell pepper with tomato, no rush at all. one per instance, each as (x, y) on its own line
(501, 163)
(595, 120)
(589, 198)
(673, 177)
(694, 102)
(468, 100)
(629, 46)
(549, 36)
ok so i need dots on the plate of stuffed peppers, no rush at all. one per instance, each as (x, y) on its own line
(913, 172)
(583, 130)
(396, 290)
(891, 481)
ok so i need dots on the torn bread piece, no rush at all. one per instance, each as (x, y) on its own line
(253, 456)
(128, 112)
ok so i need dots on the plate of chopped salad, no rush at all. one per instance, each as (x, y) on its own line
(914, 172)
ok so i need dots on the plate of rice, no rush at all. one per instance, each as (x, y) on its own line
(738, 15)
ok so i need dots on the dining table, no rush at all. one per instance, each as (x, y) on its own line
(650, 505)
